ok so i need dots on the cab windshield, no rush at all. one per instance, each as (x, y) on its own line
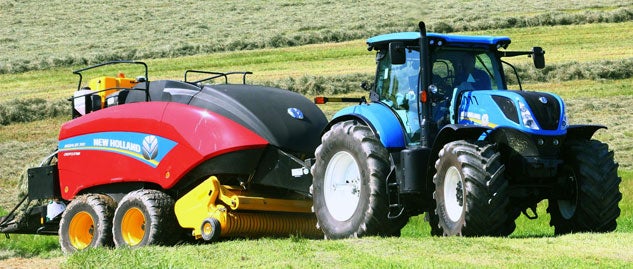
(453, 70)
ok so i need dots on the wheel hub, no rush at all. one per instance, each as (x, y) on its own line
(567, 208)
(342, 186)
(453, 194)
(81, 230)
(133, 226)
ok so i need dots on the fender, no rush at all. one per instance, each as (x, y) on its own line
(379, 118)
(583, 131)
(452, 132)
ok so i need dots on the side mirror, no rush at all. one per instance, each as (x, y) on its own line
(538, 55)
(397, 53)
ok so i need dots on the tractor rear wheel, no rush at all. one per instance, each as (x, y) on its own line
(470, 191)
(593, 185)
(349, 185)
(86, 222)
(145, 217)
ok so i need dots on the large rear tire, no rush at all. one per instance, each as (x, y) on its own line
(349, 185)
(86, 223)
(470, 191)
(145, 217)
(593, 182)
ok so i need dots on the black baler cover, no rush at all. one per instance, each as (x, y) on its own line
(265, 111)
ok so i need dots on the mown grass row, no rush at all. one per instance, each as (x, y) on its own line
(482, 22)
(32, 109)
(151, 29)
(563, 44)
(27, 110)
(600, 70)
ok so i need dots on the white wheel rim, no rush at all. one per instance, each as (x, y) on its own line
(453, 194)
(342, 186)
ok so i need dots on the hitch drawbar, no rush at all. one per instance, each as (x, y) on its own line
(320, 100)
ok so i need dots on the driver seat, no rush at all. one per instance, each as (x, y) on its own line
(477, 80)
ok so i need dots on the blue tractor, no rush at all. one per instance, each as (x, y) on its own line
(443, 135)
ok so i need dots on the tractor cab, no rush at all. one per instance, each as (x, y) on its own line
(457, 64)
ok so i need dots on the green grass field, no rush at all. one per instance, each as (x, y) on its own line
(54, 45)
(532, 245)
(571, 251)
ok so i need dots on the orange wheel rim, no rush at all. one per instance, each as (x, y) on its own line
(207, 229)
(133, 226)
(81, 230)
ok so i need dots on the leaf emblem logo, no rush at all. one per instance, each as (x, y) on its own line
(150, 147)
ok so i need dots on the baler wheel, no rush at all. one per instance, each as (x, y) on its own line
(86, 222)
(145, 217)
(211, 229)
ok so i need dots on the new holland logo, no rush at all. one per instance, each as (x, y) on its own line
(150, 147)
(543, 99)
(295, 113)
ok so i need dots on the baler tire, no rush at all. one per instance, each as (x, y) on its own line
(593, 171)
(355, 151)
(211, 229)
(86, 223)
(471, 192)
(145, 217)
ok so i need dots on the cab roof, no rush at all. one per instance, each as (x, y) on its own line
(382, 41)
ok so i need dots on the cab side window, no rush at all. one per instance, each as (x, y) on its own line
(397, 86)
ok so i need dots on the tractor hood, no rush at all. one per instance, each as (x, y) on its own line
(286, 119)
(532, 112)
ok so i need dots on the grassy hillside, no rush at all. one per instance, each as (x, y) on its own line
(40, 35)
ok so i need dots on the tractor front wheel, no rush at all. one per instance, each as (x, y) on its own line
(145, 217)
(470, 191)
(86, 222)
(592, 186)
(349, 185)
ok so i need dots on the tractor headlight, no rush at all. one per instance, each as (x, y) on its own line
(563, 124)
(527, 118)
